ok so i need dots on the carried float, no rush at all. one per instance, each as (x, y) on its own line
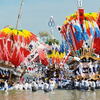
(14, 48)
(81, 32)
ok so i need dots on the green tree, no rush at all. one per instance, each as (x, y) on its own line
(48, 38)
(43, 34)
(52, 41)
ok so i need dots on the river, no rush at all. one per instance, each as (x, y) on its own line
(55, 95)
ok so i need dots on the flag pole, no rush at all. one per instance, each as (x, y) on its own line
(19, 14)
(79, 3)
(51, 24)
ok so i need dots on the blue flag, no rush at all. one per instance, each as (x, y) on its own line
(62, 47)
(78, 35)
(97, 32)
(84, 34)
(78, 32)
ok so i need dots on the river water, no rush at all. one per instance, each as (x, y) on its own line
(55, 95)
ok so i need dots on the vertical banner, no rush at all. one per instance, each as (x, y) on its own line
(98, 20)
(81, 15)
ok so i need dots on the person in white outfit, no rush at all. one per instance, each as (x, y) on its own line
(76, 84)
(86, 83)
(6, 86)
(30, 86)
(98, 84)
(34, 86)
(93, 85)
(40, 85)
(52, 85)
(26, 86)
(21, 86)
(46, 87)
(16, 86)
(82, 85)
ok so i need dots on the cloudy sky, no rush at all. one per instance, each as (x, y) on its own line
(36, 13)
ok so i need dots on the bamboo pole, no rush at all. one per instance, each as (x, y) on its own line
(19, 14)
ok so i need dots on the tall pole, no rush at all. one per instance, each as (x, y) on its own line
(80, 12)
(19, 14)
(51, 24)
(80, 3)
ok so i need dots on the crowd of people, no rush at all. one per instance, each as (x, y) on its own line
(54, 83)
(83, 84)
(52, 77)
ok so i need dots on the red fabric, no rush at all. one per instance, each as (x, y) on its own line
(98, 21)
(24, 51)
(58, 60)
(1, 53)
(5, 49)
(41, 54)
(34, 37)
(96, 45)
(1, 47)
(81, 15)
(9, 52)
(14, 59)
(12, 53)
(63, 31)
(1, 43)
(88, 32)
(43, 57)
(44, 62)
(53, 60)
(20, 57)
(2, 34)
(9, 47)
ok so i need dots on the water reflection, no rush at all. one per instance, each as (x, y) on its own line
(56, 95)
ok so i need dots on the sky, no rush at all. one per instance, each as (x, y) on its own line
(36, 13)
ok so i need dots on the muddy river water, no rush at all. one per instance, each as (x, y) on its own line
(55, 95)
